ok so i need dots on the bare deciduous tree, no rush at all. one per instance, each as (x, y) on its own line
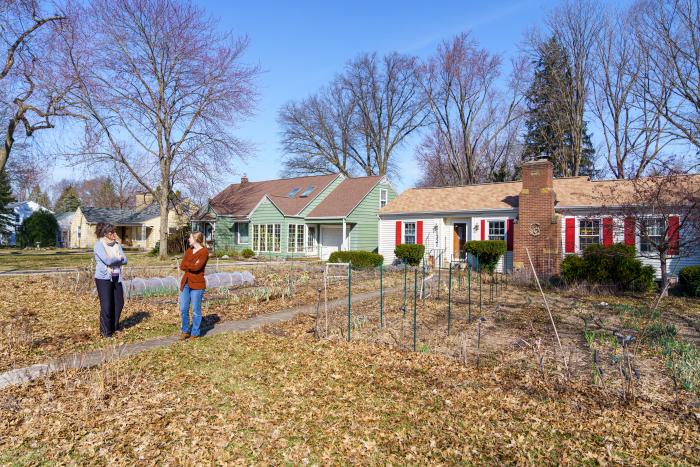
(470, 116)
(669, 35)
(358, 122)
(318, 135)
(32, 86)
(633, 128)
(159, 91)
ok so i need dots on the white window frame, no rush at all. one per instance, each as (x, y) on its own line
(657, 220)
(267, 236)
(493, 222)
(415, 232)
(383, 197)
(311, 239)
(238, 233)
(579, 236)
(296, 238)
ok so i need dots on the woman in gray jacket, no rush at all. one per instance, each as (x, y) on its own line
(109, 259)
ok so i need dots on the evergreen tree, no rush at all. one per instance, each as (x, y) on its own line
(548, 128)
(7, 218)
(68, 201)
(39, 197)
(41, 227)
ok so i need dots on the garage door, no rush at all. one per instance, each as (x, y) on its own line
(331, 240)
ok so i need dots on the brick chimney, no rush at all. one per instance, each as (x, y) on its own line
(538, 228)
(244, 180)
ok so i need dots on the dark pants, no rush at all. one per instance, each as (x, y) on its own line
(111, 296)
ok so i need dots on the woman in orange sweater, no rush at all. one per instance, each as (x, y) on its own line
(192, 285)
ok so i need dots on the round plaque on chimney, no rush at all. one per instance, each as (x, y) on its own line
(535, 229)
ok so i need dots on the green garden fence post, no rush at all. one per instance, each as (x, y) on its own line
(422, 284)
(469, 291)
(381, 297)
(349, 295)
(439, 271)
(481, 300)
(449, 299)
(415, 300)
(405, 270)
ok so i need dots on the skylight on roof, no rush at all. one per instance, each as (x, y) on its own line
(307, 192)
(293, 193)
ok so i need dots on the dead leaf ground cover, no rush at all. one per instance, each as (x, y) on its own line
(514, 328)
(258, 398)
(46, 317)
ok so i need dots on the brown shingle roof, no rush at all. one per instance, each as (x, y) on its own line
(239, 200)
(346, 196)
(570, 192)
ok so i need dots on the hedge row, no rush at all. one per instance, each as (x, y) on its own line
(615, 265)
(359, 259)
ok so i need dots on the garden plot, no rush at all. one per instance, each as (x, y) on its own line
(615, 344)
(46, 317)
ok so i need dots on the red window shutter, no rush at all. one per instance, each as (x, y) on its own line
(398, 232)
(607, 231)
(419, 232)
(629, 231)
(570, 239)
(509, 235)
(483, 229)
(673, 235)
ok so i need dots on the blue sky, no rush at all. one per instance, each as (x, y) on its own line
(300, 46)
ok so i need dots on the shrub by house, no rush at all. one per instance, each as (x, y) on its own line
(410, 254)
(488, 252)
(359, 259)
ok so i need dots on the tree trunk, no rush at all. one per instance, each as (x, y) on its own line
(164, 211)
(664, 274)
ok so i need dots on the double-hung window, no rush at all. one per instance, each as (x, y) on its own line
(409, 233)
(651, 234)
(588, 233)
(383, 197)
(497, 230)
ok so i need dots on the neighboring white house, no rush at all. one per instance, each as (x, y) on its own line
(545, 216)
(21, 211)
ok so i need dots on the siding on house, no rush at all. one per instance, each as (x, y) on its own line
(226, 237)
(674, 263)
(438, 235)
(364, 232)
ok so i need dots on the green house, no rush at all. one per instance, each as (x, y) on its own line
(296, 217)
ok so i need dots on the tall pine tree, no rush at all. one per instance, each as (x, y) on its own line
(39, 197)
(7, 217)
(548, 128)
(68, 201)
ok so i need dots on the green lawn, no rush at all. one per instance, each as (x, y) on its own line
(258, 398)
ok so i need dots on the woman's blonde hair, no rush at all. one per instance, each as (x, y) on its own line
(199, 238)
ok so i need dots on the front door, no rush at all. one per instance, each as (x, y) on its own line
(331, 240)
(460, 239)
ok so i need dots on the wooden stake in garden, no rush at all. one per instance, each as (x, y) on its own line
(546, 304)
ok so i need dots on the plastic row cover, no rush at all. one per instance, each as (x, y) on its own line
(170, 284)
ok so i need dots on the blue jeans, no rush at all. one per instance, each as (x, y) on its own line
(195, 297)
